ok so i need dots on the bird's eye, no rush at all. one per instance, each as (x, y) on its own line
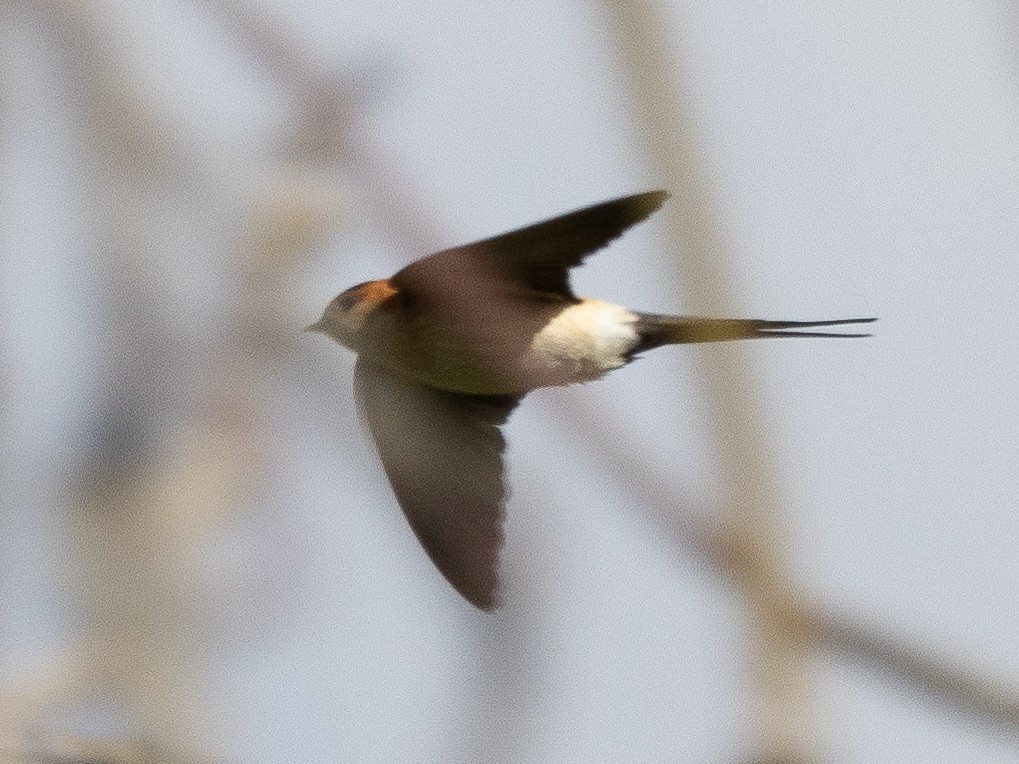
(350, 298)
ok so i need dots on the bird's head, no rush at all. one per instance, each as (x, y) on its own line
(345, 316)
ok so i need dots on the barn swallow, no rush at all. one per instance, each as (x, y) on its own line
(449, 345)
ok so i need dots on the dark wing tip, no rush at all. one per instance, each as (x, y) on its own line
(485, 601)
(630, 210)
(649, 201)
(442, 453)
(538, 256)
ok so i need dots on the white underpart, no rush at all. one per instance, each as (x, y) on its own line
(583, 342)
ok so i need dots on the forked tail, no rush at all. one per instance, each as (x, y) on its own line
(656, 330)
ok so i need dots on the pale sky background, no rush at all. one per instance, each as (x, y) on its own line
(865, 161)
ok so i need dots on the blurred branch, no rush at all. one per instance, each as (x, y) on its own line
(170, 441)
(134, 138)
(778, 662)
(329, 126)
(919, 669)
(83, 750)
(747, 546)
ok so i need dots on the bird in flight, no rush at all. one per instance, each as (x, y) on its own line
(449, 345)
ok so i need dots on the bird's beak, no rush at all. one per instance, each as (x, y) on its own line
(315, 327)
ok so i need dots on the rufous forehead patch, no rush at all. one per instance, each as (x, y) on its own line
(369, 294)
(376, 291)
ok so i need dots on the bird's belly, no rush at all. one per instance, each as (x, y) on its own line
(582, 343)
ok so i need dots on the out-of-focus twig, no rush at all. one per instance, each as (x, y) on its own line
(778, 662)
(69, 749)
(169, 443)
(988, 703)
(329, 129)
(919, 670)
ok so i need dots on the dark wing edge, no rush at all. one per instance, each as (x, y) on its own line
(442, 453)
(539, 256)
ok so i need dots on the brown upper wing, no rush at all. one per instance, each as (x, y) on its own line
(539, 256)
(442, 453)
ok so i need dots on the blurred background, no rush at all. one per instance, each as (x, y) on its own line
(787, 551)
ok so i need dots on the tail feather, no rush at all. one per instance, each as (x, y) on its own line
(657, 330)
